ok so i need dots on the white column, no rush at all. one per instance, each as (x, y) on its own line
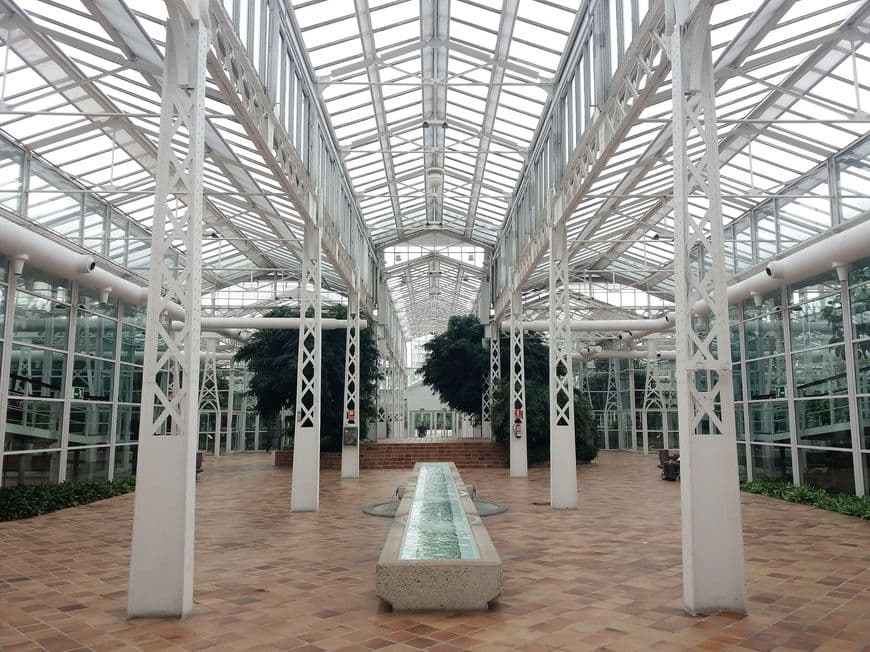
(486, 395)
(305, 481)
(563, 456)
(517, 405)
(209, 398)
(713, 564)
(161, 556)
(494, 363)
(230, 406)
(632, 407)
(350, 436)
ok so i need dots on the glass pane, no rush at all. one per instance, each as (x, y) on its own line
(821, 372)
(89, 424)
(36, 372)
(95, 335)
(771, 463)
(3, 292)
(824, 422)
(132, 344)
(862, 366)
(768, 422)
(859, 298)
(32, 425)
(11, 176)
(92, 379)
(92, 300)
(38, 320)
(125, 461)
(30, 468)
(864, 416)
(764, 336)
(88, 465)
(42, 284)
(816, 323)
(829, 470)
(741, 461)
(766, 378)
(133, 315)
(127, 428)
(130, 384)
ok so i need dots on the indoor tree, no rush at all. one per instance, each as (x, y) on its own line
(456, 362)
(271, 356)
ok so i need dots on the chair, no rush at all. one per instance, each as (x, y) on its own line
(664, 456)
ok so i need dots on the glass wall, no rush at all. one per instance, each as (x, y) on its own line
(71, 379)
(801, 357)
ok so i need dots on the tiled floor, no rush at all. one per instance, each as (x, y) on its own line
(605, 577)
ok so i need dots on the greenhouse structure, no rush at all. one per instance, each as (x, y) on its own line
(674, 195)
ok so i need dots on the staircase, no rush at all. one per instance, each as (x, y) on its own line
(465, 453)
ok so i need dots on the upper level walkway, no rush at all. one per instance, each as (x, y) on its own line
(604, 577)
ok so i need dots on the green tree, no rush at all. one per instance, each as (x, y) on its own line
(455, 364)
(271, 356)
(454, 367)
(537, 412)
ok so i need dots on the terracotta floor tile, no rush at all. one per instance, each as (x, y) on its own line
(606, 576)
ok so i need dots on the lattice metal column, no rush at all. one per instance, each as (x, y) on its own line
(652, 396)
(350, 437)
(583, 376)
(161, 556)
(563, 457)
(611, 401)
(209, 398)
(494, 363)
(713, 563)
(231, 389)
(305, 483)
(486, 380)
(517, 417)
(632, 408)
(486, 401)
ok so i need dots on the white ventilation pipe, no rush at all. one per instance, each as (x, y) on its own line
(266, 323)
(621, 325)
(623, 355)
(836, 251)
(24, 246)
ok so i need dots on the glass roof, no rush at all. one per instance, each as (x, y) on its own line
(436, 106)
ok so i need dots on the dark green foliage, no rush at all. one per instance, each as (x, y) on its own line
(858, 506)
(31, 500)
(538, 422)
(272, 357)
(455, 363)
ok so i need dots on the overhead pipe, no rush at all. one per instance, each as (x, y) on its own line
(835, 251)
(607, 354)
(266, 323)
(25, 246)
(624, 326)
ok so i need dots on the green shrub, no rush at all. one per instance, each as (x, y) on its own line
(32, 500)
(858, 506)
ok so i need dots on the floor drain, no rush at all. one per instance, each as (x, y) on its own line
(540, 503)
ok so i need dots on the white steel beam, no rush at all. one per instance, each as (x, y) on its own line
(305, 482)
(563, 458)
(370, 54)
(640, 75)
(161, 556)
(517, 418)
(352, 418)
(500, 58)
(713, 565)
